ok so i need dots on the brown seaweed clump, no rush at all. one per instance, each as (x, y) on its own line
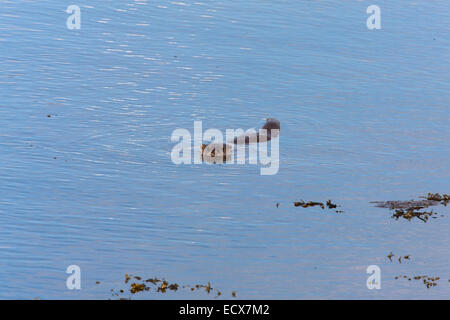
(331, 205)
(443, 199)
(161, 286)
(390, 255)
(429, 282)
(414, 208)
(309, 204)
(407, 257)
(413, 212)
(328, 204)
(136, 287)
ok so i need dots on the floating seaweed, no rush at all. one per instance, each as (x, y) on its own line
(309, 204)
(427, 281)
(154, 280)
(138, 287)
(173, 286)
(328, 204)
(413, 212)
(331, 205)
(390, 255)
(414, 208)
(443, 199)
(161, 286)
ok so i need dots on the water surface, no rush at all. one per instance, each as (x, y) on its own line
(364, 114)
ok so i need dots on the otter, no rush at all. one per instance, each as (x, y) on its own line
(224, 151)
(271, 124)
(216, 152)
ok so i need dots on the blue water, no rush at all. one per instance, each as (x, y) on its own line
(364, 114)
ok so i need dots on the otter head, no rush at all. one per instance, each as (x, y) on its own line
(272, 123)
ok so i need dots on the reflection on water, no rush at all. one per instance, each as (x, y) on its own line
(365, 117)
